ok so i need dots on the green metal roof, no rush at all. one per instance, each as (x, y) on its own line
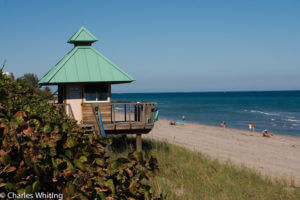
(84, 64)
(82, 35)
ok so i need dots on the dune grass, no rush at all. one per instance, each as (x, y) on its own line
(191, 175)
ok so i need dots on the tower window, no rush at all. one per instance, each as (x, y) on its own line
(96, 93)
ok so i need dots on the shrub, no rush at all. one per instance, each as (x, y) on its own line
(41, 149)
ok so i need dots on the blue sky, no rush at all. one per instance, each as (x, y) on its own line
(167, 46)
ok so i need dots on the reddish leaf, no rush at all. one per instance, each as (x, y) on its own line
(10, 169)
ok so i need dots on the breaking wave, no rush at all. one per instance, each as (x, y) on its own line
(264, 113)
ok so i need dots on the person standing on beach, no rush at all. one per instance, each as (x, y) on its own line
(183, 118)
(253, 127)
(250, 126)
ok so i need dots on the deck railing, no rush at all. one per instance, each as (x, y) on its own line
(127, 111)
(115, 112)
(120, 111)
(120, 117)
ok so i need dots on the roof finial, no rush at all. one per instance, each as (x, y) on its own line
(82, 37)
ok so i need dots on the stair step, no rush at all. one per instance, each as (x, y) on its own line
(88, 128)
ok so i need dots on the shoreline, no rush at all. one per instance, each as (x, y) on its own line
(237, 129)
(277, 157)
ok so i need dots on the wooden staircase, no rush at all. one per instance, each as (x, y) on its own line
(88, 128)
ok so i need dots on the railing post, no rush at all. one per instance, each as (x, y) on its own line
(145, 112)
(139, 112)
(135, 112)
(152, 111)
(111, 113)
(130, 115)
(125, 111)
(142, 109)
(114, 113)
(129, 109)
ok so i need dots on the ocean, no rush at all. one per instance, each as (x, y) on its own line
(276, 111)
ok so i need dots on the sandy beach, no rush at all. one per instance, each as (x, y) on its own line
(277, 157)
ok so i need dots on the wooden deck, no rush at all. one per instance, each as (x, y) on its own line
(119, 117)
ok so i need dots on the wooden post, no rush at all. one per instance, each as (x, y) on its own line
(129, 112)
(114, 113)
(139, 112)
(138, 142)
(135, 112)
(125, 111)
(152, 111)
(130, 115)
(149, 111)
(145, 113)
(142, 112)
(124, 140)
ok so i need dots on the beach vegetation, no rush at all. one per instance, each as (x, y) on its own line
(42, 150)
(32, 80)
(185, 174)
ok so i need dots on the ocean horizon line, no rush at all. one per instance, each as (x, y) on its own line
(225, 91)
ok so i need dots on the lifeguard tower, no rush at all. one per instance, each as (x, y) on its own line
(84, 78)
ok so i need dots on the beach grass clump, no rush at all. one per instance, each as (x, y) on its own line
(185, 174)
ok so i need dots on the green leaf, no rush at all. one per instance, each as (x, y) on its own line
(71, 142)
(20, 191)
(132, 187)
(65, 127)
(83, 159)
(110, 184)
(28, 189)
(78, 164)
(47, 128)
(36, 186)
(71, 189)
(101, 195)
(19, 116)
(9, 186)
(58, 137)
(99, 161)
(69, 154)
(52, 152)
(5, 159)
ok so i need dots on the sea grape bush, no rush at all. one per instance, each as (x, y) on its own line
(42, 150)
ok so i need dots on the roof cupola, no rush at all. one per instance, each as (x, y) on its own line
(82, 38)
